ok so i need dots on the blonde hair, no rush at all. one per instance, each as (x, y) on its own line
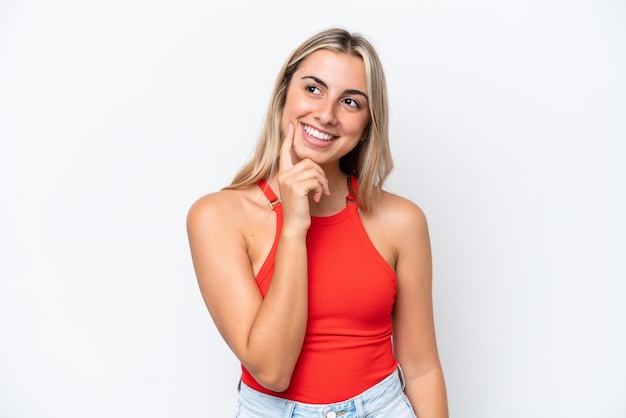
(371, 160)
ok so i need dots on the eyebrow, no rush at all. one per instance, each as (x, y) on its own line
(348, 91)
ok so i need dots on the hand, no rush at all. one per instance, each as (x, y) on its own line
(297, 181)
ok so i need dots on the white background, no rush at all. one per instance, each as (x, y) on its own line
(508, 127)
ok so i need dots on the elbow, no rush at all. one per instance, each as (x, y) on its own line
(276, 382)
(279, 386)
(272, 372)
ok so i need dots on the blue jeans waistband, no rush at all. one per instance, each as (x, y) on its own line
(253, 403)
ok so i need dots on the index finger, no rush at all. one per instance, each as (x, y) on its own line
(285, 162)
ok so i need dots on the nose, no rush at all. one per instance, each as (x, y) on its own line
(326, 113)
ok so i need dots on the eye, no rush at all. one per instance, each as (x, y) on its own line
(312, 89)
(352, 103)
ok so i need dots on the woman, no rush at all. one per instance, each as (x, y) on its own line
(318, 279)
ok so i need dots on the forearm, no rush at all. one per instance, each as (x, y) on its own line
(278, 331)
(427, 394)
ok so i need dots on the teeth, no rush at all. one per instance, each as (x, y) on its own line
(317, 134)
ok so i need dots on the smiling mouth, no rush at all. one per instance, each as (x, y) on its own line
(317, 134)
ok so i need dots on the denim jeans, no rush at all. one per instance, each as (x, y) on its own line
(383, 400)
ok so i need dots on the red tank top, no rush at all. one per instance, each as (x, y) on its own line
(347, 347)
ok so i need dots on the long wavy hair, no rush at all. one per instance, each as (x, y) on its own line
(370, 161)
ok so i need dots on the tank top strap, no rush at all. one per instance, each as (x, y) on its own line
(353, 188)
(271, 197)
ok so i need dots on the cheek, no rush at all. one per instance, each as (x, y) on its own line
(361, 126)
(366, 130)
(290, 111)
(284, 121)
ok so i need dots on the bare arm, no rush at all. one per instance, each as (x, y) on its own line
(414, 333)
(266, 334)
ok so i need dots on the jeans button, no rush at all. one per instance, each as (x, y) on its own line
(331, 414)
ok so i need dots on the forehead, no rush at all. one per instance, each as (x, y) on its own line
(335, 68)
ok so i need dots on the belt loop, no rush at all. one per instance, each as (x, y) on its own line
(401, 376)
(289, 409)
(358, 407)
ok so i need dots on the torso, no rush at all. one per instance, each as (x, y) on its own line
(352, 289)
(245, 215)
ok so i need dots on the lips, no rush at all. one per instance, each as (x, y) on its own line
(317, 134)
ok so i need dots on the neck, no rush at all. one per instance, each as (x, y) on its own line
(335, 176)
(329, 205)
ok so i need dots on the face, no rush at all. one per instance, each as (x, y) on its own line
(327, 102)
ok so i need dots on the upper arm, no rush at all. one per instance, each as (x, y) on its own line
(223, 269)
(414, 333)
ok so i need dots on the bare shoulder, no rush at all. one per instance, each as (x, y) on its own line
(396, 226)
(399, 213)
(231, 224)
(223, 208)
